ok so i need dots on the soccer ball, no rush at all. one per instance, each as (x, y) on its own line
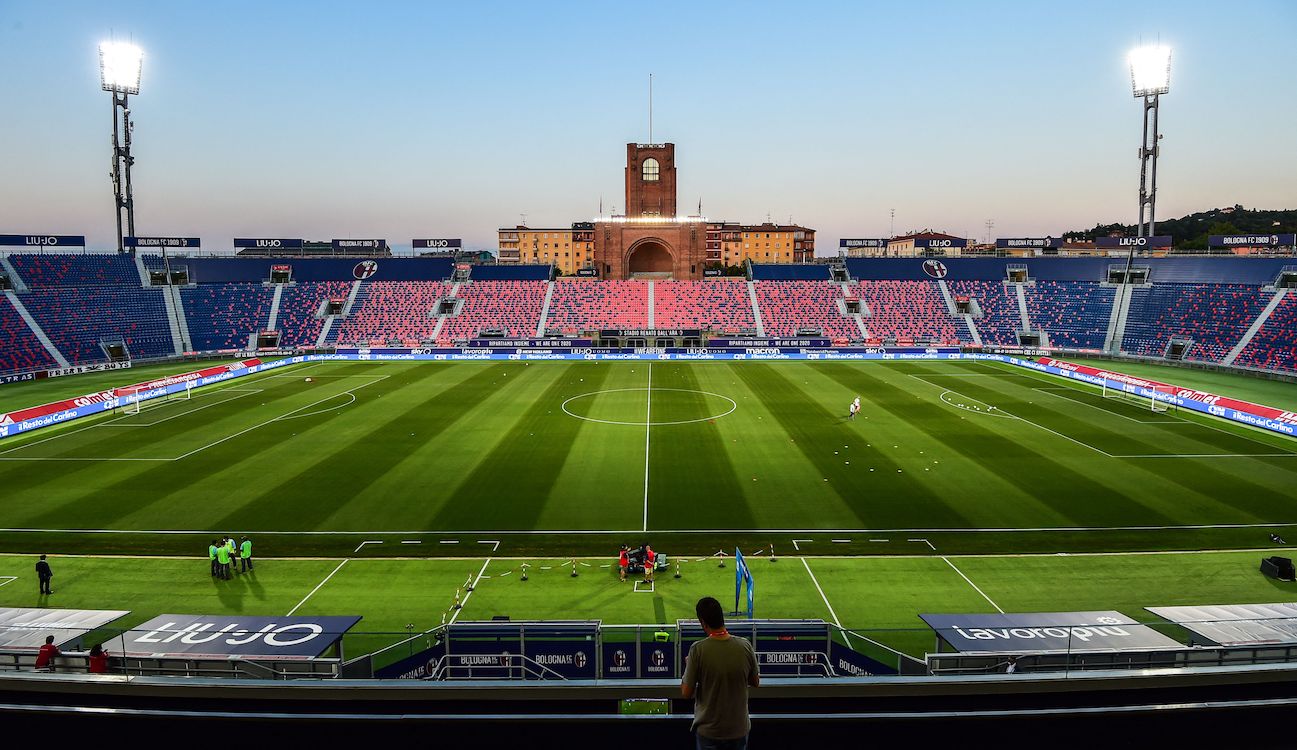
(309, 380)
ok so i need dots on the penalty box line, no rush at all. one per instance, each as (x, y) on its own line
(281, 417)
(214, 389)
(1021, 419)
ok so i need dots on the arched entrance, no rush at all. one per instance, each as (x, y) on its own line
(650, 259)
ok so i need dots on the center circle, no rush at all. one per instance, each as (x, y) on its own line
(672, 401)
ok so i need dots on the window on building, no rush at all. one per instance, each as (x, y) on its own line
(650, 170)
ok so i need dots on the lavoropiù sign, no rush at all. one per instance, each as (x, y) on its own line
(1034, 632)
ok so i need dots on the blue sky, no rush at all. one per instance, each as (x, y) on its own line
(400, 120)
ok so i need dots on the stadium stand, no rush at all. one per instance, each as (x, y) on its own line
(790, 306)
(1000, 321)
(224, 316)
(788, 272)
(720, 305)
(1274, 347)
(299, 321)
(21, 350)
(1074, 314)
(908, 311)
(391, 310)
(511, 306)
(76, 270)
(578, 306)
(1215, 316)
(78, 319)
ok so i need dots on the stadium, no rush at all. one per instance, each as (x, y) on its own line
(1024, 482)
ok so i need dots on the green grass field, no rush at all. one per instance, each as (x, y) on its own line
(878, 597)
(379, 488)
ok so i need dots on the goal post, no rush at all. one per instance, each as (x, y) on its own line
(134, 398)
(1157, 398)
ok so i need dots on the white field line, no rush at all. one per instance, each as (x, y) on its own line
(452, 558)
(797, 547)
(648, 429)
(1052, 392)
(7, 580)
(832, 614)
(216, 388)
(469, 595)
(1084, 387)
(974, 585)
(241, 393)
(317, 588)
(276, 419)
(1022, 419)
(576, 532)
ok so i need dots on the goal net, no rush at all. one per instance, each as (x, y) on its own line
(1158, 398)
(135, 399)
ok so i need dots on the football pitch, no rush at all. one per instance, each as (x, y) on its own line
(381, 489)
(573, 457)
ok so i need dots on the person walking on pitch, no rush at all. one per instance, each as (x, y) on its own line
(44, 575)
(854, 409)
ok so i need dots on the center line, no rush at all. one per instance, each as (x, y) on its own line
(648, 426)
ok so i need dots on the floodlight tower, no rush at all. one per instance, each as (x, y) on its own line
(119, 74)
(1150, 77)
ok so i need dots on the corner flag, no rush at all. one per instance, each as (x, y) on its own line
(742, 574)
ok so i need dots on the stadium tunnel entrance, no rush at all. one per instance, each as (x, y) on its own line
(651, 259)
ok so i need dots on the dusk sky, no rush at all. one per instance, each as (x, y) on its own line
(401, 120)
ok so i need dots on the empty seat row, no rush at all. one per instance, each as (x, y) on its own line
(721, 305)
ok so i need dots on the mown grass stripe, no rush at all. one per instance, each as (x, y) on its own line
(511, 485)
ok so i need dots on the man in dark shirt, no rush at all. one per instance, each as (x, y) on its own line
(718, 672)
(44, 574)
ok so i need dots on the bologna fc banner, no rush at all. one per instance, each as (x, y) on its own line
(219, 636)
(861, 242)
(1252, 240)
(359, 244)
(1110, 243)
(1034, 632)
(1010, 243)
(43, 240)
(163, 242)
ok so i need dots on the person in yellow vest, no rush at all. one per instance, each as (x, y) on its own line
(211, 554)
(223, 560)
(245, 554)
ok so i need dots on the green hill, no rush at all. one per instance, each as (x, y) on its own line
(1190, 232)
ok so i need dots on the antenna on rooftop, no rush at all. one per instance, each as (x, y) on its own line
(650, 140)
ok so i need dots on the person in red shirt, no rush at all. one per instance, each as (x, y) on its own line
(98, 660)
(47, 653)
(650, 563)
(623, 562)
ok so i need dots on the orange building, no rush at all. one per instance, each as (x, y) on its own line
(651, 240)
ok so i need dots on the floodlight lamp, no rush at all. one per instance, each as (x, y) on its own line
(1150, 70)
(119, 67)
